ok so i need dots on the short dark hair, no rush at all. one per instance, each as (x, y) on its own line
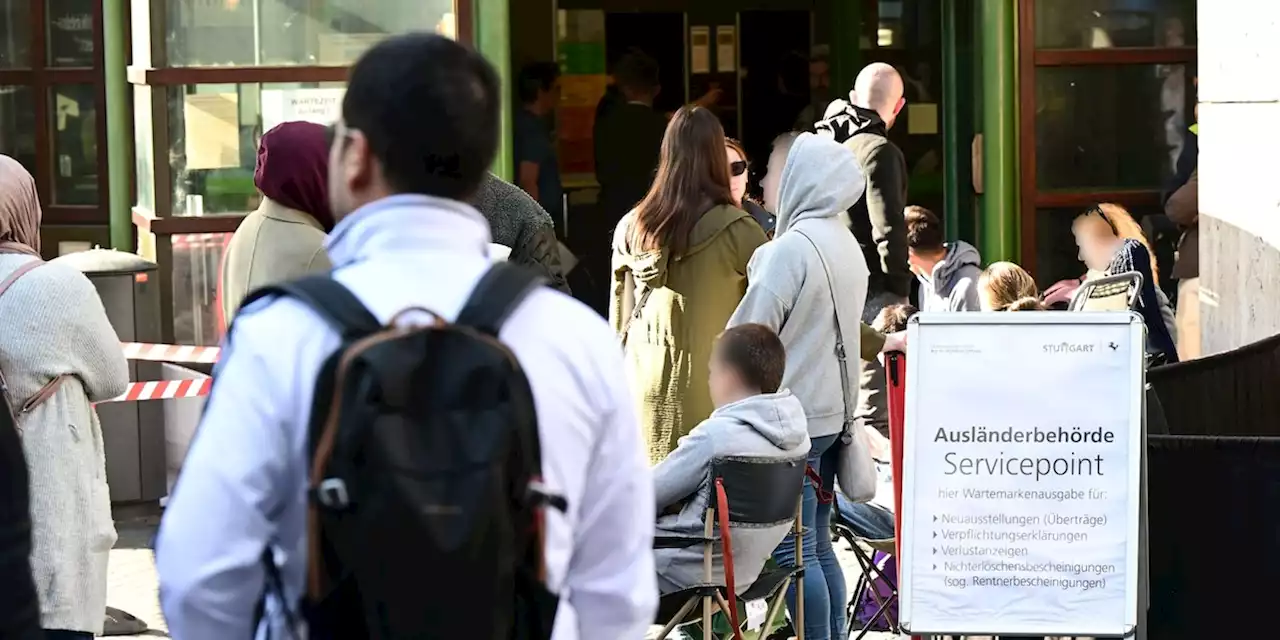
(756, 353)
(637, 71)
(924, 230)
(429, 108)
(534, 78)
(893, 318)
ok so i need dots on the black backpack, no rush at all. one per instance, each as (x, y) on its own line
(425, 503)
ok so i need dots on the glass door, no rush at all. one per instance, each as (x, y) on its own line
(1107, 100)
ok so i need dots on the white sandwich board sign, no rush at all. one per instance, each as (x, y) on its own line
(1022, 471)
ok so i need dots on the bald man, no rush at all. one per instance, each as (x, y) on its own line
(861, 124)
(877, 220)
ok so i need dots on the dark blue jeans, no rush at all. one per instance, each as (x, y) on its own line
(824, 586)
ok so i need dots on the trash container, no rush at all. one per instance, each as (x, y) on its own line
(133, 432)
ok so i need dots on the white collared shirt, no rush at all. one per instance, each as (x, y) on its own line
(243, 482)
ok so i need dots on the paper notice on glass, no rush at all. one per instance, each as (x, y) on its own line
(212, 130)
(699, 49)
(726, 48)
(321, 106)
(922, 119)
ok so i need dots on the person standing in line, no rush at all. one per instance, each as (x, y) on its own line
(284, 238)
(1183, 207)
(948, 271)
(1005, 286)
(537, 164)
(517, 221)
(406, 239)
(679, 271)
(628, 138)
(862, 124)
(59, 355)
(738, 166)
(811, 273)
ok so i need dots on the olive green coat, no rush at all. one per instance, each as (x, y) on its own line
(668, 345)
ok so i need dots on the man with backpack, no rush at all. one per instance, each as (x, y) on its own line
(417, 445)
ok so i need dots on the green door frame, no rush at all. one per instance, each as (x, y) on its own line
(492, 21)
(999, 222)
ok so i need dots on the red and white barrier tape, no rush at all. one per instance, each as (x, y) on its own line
(164, 390)
(170, 352)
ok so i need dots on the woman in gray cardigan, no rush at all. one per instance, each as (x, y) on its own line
(58, 354)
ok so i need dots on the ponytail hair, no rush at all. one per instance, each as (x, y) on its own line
(1028, 303)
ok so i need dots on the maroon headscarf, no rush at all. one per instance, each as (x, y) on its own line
(19, 209)
(293, 169)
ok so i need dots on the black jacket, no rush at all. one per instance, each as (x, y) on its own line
(627, 145)
(19, 608)
(516, 220)
(877, 219)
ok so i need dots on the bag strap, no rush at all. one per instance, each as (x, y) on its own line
(49, 388)
(500, 291)
(840, 350)
(635, 313)
(22, 270)
(328, 298)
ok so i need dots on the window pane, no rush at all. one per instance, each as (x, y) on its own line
(18, 125)
(15, 34)
(1110, 127)
(197, 262)
(214, 132)
(75, 144)
(70, 32)
(276, 32)
(1102, 24)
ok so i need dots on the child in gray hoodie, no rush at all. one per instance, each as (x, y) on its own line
(753, 417)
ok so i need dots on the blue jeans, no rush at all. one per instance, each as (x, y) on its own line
(865, 519)
(824, 587)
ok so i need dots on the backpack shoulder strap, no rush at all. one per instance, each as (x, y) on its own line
(329, 299)
(497, 295)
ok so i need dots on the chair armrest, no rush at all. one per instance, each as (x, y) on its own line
(679, 542)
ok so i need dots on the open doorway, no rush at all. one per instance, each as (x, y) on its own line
(660, 35)
(775, 49)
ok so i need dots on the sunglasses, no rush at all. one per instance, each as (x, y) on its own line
(737, 168)
(1097, 208)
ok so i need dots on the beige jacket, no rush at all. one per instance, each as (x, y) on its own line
(55, 326)
(272, 245)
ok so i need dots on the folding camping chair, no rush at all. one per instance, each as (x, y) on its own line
(867, 588)
(752, 492)
(1112, 293)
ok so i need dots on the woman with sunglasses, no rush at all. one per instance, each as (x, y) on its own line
(1111, 242)
(679, 270)
(738, 175)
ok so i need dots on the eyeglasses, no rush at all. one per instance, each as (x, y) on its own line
(737, 168)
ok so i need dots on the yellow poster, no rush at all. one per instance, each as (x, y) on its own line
(212, 130)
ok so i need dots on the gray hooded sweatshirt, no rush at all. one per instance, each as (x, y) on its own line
(954, 283)
(787, 289)
(768, 426)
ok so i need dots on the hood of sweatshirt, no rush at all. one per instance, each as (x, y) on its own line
(961, 259)
(821, 179)
(778, 417)
(843, 119)
(650, 267)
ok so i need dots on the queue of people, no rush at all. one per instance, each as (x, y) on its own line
(731, 331)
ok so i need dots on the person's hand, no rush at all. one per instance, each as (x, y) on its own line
(896, 341)
(710, 98)
(1061, 291)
